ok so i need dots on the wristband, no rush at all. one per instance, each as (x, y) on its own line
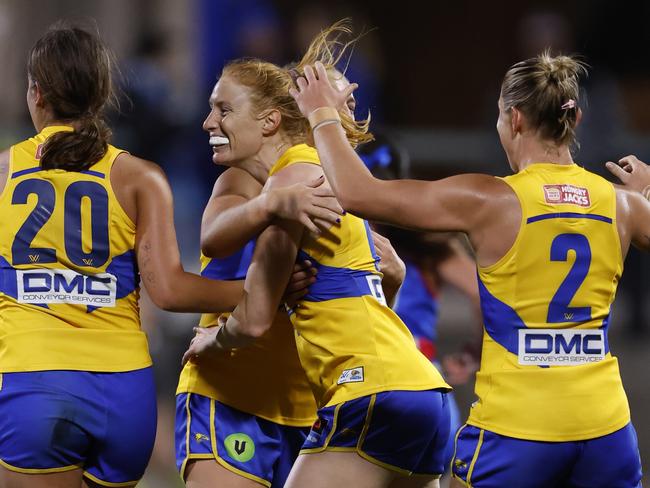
(323, 114)
(325, 122)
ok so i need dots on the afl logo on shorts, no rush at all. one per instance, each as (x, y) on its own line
(558, 194)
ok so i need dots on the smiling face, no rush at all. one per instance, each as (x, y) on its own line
(235, 130)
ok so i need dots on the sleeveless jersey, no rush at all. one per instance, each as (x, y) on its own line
(546, 371)
(417, 305)
(350, 342)
(264, 379)
(69, 283)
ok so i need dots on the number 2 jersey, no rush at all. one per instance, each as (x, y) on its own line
(69, 283)
(546, 371)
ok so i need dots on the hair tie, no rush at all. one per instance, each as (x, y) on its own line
(569, 104)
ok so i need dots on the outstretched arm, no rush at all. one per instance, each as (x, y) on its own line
(633, 214)
(161, 270)
(453, 204)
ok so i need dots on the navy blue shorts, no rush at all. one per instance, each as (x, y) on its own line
(484, 459)
(54, 421)
(404, 431)
(249, 446)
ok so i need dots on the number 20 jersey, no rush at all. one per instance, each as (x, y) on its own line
(546, 371)
(68, 274)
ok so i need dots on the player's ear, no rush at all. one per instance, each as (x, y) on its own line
(271, 120)
(516, 121)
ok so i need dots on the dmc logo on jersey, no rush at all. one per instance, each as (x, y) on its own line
(567, 194)
(66, 286)
(567, 347)
(354, 375)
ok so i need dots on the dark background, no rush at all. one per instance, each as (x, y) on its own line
(429, 72)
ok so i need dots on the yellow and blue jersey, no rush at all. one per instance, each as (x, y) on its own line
(351, 344)
(69, 283)
(264, 379)
(546, 371)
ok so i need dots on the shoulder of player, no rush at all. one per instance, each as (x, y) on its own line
(132, 170)
(628, 200)
(482, 187)
(236, 181)
(297, 172)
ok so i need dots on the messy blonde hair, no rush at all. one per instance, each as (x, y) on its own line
(331, 46)
(270, 84)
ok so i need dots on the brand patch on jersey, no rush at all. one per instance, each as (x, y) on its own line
(354, 375)
(574, 195)
(566, 347)
(65, 286)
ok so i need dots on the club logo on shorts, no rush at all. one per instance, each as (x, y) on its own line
(319, 425)
(574, 195)
(240, 447)
(354, 375)
(565, 347)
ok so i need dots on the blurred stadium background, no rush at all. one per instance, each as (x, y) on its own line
(430, 77)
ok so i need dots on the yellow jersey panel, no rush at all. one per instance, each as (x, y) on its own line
(350, 342)
(264, 379)
(546, 372)
(69, 284)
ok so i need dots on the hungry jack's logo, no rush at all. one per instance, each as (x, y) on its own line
(574, 195)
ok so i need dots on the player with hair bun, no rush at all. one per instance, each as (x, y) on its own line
(550, 242)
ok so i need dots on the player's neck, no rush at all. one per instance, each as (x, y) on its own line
(44, 119)
(260, 165)
(533, 150)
